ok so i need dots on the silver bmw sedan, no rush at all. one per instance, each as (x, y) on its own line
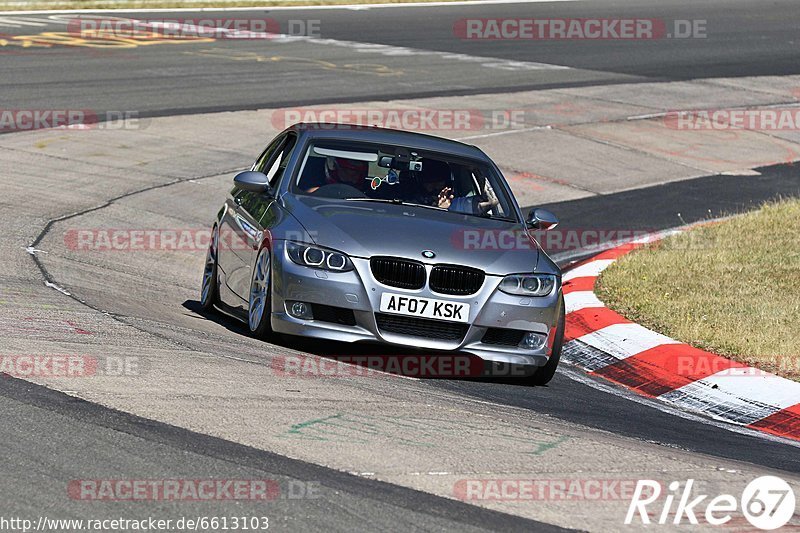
(363, 234)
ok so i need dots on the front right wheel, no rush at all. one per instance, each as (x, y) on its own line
(258, 315)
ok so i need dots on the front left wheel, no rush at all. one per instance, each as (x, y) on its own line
(258, 318)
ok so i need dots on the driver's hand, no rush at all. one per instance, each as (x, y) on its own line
(444, 199)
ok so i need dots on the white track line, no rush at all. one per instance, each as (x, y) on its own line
(355, 7)
(625, 340)
(575, 301)
(507, 132)
(577, 374)
(591, 269)
(18, 22)
(389, 50)
(754, 384)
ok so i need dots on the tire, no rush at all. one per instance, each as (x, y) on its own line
(209, 291)
(259, 311)
(545, 373)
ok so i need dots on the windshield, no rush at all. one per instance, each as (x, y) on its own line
(364, 171)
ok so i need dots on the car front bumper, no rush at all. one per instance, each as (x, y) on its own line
(359, 292)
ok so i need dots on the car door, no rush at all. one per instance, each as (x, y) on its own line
(264, 209)
(238, 234)
(250, 211)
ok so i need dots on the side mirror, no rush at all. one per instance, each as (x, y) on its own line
(541, 219)
(253, 181)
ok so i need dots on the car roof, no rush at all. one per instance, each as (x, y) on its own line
(373, 134)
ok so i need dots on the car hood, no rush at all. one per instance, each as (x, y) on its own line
(366, 229)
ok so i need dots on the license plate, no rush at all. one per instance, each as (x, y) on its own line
(424, 307)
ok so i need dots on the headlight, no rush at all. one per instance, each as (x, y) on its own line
(316, 257)
(528, 284)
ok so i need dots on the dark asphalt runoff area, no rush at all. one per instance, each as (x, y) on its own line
(743, 38)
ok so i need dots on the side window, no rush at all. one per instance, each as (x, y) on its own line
(273, 163)
(278, 165)
(256, 205)
(262, 162)
(275, 158)
(266, 155)
(247, 201)
(488, 194)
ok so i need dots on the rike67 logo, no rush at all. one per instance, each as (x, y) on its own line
(767, 502)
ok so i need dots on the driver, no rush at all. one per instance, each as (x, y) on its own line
(436, 193)
(435, 187)
(345, 171)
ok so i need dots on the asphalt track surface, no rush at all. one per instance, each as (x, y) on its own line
(744, 40)
(341, 501)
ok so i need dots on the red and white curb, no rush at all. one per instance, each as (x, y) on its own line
(606, 344)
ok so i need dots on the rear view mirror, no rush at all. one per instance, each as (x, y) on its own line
(253, 181)
(541, 219)
(398, 163)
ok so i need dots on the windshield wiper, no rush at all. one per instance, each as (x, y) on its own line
(426, 206)
(396, 201)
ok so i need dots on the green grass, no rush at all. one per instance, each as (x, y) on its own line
(732, 288)
(158, 4)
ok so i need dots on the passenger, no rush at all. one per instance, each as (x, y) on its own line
(339, 170)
